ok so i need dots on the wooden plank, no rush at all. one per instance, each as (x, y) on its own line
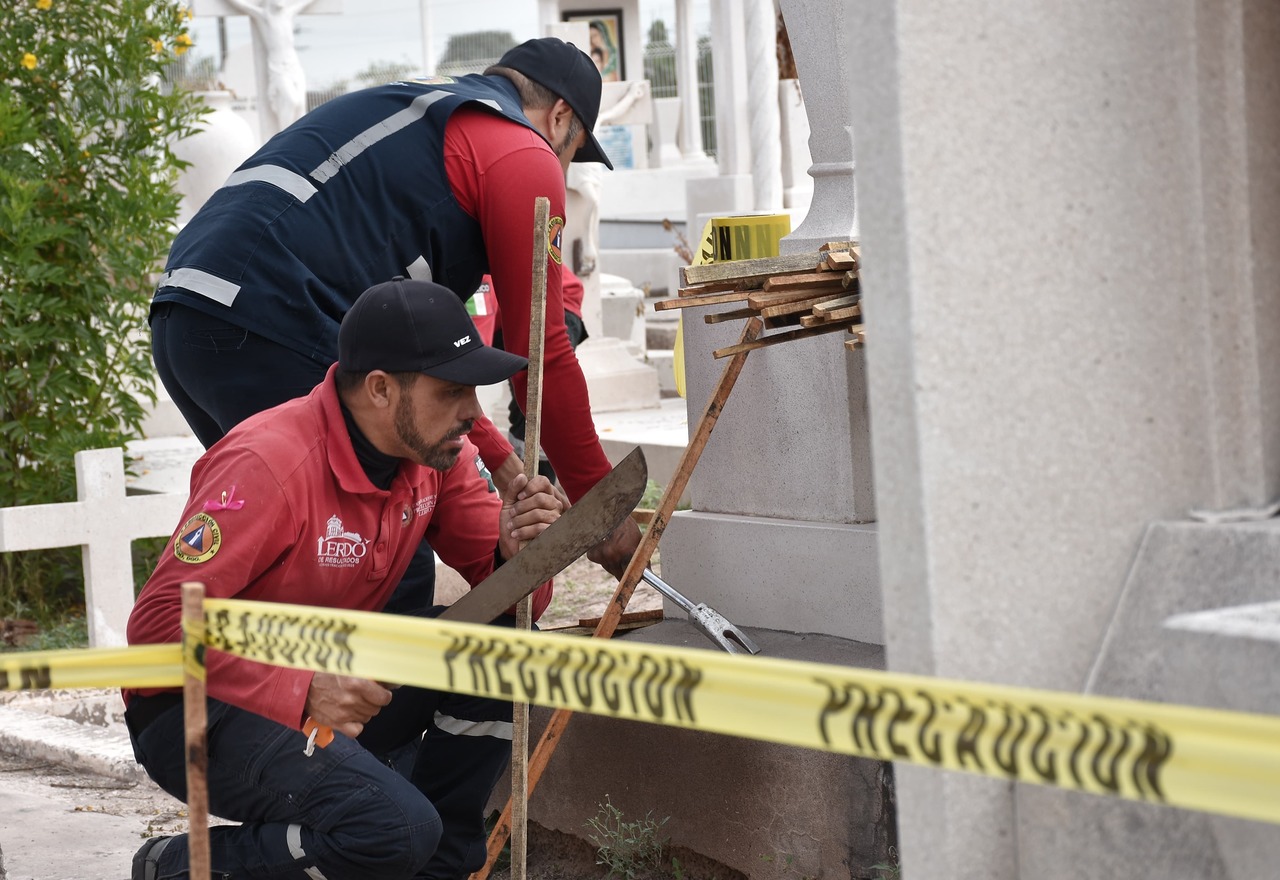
(653, 615)
(710, 299)
(799, 306)
(840, 246)
(841, 261)
(746, 268)
(734, 315)
(842, 314)
(752, 283)
(852, 344)
(762, 300)
(810, 320)
(840, 302)
(807, 279)
(778, 338)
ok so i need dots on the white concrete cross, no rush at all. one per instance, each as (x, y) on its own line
(103, 523)
(281, 82)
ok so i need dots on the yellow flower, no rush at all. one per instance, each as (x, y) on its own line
(29, 61)
(184, 15)
(157, 47)
(182, 44)
(43, 4)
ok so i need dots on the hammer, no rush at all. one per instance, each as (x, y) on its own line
(705, 620)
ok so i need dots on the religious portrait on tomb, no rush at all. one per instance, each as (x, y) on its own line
(606, 40)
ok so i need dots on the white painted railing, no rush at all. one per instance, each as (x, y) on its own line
(103, 522)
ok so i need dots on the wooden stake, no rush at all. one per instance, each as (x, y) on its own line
(195, 722)
(532, 452)
(631, 577)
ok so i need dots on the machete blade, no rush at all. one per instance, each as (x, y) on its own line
(579, 528)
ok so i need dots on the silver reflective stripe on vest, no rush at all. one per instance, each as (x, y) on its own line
(375, 133)
(419, 269)
(293, 836)
(294, 184)
(462, 727)
(220, 290)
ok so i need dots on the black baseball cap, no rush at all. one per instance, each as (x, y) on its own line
(407, 326)
(570, 73)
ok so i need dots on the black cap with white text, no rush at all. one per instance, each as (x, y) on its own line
(408, 326)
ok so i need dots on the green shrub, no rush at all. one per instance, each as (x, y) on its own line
(630, 849)
(87, 206)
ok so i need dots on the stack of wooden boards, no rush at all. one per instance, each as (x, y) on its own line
(814, 293)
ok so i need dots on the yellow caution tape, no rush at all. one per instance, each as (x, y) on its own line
(1200, 759)
(1222, 762)
(141, 666)
(724, 239)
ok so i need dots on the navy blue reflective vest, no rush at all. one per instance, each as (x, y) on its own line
(351, 195)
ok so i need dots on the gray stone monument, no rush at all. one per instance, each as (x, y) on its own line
(1071, 306)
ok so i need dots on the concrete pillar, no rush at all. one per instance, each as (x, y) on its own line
(687, 83)
(825, 66)
(1058, 213)
(762, 102)
(782, 531)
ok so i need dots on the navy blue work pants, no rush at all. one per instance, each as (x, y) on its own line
(394, 803)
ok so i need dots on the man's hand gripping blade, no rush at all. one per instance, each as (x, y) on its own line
(580, 528)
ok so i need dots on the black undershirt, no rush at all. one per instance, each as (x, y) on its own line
(379, 467)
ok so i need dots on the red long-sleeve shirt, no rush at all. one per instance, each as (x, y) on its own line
(496, 169)
(281, 511)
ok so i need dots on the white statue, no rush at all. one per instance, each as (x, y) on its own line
(584, 179)
(286, 80)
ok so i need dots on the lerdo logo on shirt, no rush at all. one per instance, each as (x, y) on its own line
(339, 548)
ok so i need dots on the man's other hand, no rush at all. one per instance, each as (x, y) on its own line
(614, 552)
(528, 507)
(344, 703)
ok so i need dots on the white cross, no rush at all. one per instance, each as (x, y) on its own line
(281, 82)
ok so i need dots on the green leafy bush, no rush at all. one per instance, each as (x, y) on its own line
(87, 206)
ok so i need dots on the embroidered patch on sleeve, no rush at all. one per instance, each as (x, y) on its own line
(484, 472)
(198, 539)
(555, 236)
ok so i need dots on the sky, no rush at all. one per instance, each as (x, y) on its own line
(334, 47)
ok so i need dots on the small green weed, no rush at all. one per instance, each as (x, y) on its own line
(890, 870)
(628, 849)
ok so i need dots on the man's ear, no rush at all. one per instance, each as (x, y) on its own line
(561, 117)
(378, 388)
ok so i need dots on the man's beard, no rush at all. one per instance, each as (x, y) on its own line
(432, 455)
(575, 129)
